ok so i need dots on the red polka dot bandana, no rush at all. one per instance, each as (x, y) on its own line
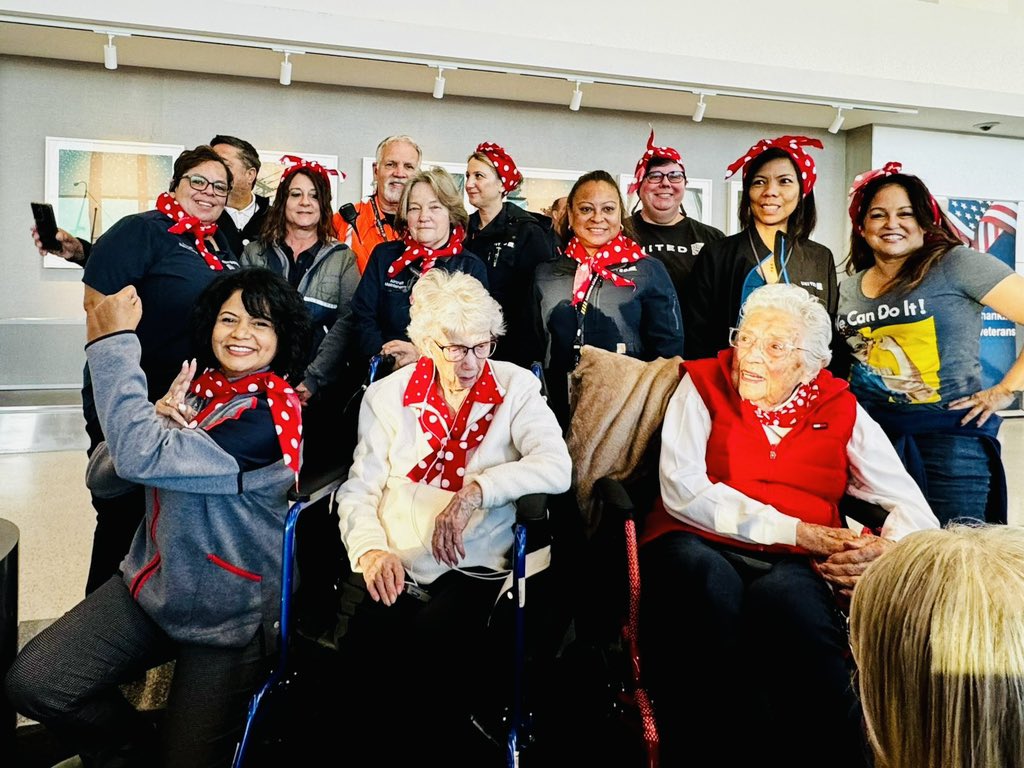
(451, 438)
(294, 163)
(792, 146)
(794, 410)
(861, 180)
(415, 251)
(503, 163)
(619, 250)
(285, 406)
(666, 153)
(183, 223)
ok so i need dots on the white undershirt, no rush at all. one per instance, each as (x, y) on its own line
(243, 216)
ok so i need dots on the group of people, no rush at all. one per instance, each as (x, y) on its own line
(220, 324)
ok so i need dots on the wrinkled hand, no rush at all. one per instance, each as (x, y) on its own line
(844, 569)
(403, 351)
(303, 392)
(384, 575)
(173, 405)
(821, 540)
(449, 524)
(984, 403)
(71, 248)
(121, 311)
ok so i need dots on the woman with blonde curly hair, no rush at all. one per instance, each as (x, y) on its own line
(937, 629)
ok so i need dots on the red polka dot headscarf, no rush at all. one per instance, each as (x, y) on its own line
(294, 163)
(664, 153)
(792, 146)
(503, 163)
(863, 179)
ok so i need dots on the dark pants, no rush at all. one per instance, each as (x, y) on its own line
(957, 468)
(746, 666)
(67, 678)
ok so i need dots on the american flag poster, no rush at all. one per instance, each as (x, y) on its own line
(989, 226)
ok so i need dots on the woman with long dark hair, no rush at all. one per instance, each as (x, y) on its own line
(778, 215)
(911, 314)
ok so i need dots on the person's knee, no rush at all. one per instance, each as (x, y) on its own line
(680, 567)
(30, 692)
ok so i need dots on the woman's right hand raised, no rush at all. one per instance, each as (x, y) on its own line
(822, 540)
(404, 352)
(384, 575)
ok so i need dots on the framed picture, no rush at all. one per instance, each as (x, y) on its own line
(92, 183)
(540, 187)
(271, 168)
(696, 200)
(732, 222)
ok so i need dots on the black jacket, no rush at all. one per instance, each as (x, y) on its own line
(238, 239)
(714, 290)
(380, 305)
(512, 245)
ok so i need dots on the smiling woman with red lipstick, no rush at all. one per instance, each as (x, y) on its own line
(777, 198)
(605, 292)
(912, 314)
(747, 549)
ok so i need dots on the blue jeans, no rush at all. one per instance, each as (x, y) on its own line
(957, 468)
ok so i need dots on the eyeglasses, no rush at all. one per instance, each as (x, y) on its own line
(674, 177)
(774, 349)
(453, 353)
(200, 183)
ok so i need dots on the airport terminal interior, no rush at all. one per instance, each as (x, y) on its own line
(566, 87)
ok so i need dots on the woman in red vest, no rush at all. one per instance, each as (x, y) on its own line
(747, 547)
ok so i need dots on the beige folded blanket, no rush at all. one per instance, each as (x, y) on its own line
(618, 404)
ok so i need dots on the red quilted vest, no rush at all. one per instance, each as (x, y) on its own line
(804, 476)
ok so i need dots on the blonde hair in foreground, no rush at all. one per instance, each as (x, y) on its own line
(937, 630)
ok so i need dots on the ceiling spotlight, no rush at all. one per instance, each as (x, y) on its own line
(110, 53)
(698, 113)
(577, 98)
(439, 84)
(285, 77)
(837, 123)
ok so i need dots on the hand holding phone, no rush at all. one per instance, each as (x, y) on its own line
(46, 227)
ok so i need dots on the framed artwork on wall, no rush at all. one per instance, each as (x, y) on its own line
(271, 167)
(732, 221)
(92, 183)
(696, 200)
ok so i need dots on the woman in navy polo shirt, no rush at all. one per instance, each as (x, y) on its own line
(170, 255)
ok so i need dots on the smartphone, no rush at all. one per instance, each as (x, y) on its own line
(46, 225)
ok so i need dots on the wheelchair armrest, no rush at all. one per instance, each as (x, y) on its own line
(864, 512)
(316, 484)
(613, 497)
(532, 508)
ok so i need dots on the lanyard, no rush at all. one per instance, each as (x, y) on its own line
(581, 316)
(378, 220)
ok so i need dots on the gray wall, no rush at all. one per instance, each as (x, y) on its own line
(40, 97)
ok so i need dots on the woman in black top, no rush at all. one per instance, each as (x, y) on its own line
(511, 242)
(777, 199)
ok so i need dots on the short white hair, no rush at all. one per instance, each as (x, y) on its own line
(444, 303)
(806, 309)
(399, 138)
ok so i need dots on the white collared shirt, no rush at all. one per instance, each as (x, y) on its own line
(243, 216)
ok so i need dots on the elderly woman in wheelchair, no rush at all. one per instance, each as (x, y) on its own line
(445, 448)
(746, 560)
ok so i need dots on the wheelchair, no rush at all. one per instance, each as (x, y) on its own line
(280, 721)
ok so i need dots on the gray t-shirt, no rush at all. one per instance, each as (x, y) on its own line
(919, 348)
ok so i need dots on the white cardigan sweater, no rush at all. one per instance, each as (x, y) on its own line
(380, 508)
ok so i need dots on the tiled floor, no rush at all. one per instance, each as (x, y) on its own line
(44, 495)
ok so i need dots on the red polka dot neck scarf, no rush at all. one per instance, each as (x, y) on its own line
(415, 251)
(451, 438)
(619, 250)
(285, 406)
(503, 163)
(790, 413)
(792, 146)
(666, 153)
(183, 223)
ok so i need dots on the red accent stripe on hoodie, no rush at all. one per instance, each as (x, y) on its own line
(234, 568)
(149, 568)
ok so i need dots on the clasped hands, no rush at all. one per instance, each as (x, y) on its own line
(840, 555)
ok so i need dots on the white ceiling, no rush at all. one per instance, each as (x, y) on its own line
(19, 39)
